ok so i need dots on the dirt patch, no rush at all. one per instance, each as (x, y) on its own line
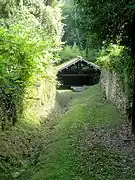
(117, 139)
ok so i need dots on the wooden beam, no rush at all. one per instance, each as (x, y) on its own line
(70, 75)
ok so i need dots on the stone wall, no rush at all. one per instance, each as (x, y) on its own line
(112, 87)
(42, 105)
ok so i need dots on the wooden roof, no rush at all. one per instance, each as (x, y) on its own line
(74, 61)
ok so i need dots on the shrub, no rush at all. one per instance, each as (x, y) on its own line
(92, 54)
(70, 52)
(23, 61)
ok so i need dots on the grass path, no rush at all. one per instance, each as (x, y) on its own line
(78, 146)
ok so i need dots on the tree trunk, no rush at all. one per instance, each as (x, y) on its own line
(133, 56)
(87, 46)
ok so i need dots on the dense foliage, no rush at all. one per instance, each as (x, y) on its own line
(30, 35)
(69, 52)
(108, 19)
(76, 30)
(72, 32)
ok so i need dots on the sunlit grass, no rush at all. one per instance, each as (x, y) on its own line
(67, 154)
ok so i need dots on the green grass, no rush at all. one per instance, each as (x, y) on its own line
(73, 150)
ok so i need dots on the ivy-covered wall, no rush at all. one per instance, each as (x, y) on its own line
(111, 86)
(117, 76)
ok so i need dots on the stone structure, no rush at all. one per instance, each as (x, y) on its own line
(111, 85)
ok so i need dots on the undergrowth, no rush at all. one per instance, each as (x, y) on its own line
(21, 145)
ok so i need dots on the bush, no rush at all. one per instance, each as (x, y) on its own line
(92, 54)
(70, 52)
(30, 38)
(24, 60)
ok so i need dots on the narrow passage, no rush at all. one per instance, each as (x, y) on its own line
(84, 144)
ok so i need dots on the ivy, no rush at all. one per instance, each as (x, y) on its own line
(117, 58)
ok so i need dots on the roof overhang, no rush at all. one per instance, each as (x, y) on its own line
(75, 61)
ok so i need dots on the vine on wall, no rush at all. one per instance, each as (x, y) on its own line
(117, 58)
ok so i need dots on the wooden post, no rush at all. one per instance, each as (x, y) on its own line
(80, 65)
(77, 67)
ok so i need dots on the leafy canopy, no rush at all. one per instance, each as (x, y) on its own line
(109, 19)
